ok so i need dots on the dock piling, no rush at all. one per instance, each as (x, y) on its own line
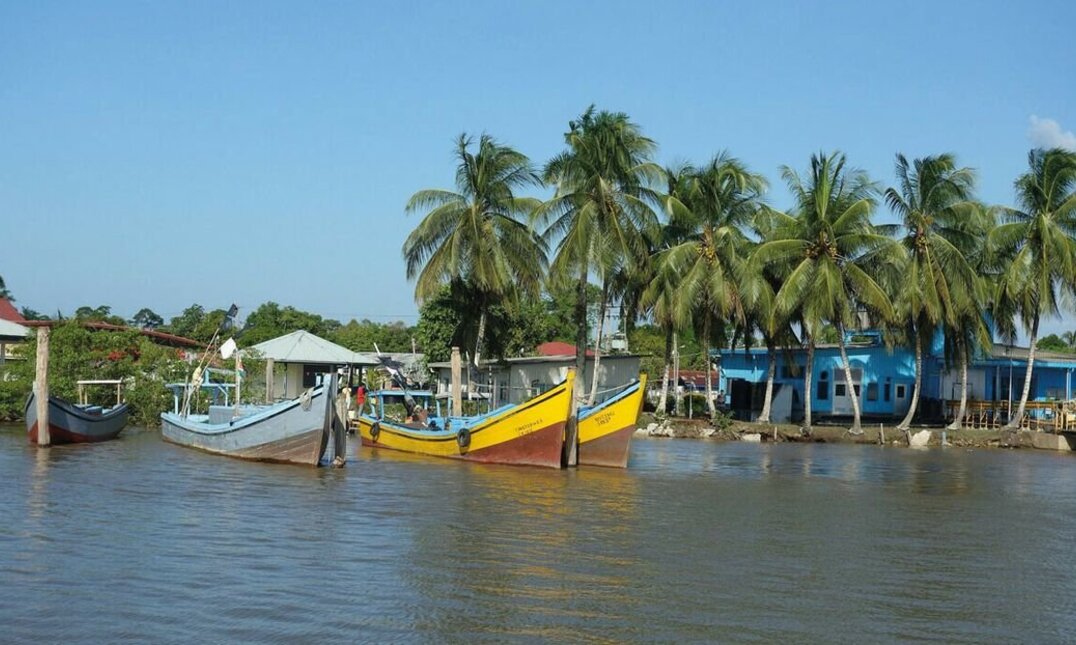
(41, 384)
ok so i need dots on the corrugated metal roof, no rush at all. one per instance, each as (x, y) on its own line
(303, 347)
(12, 331)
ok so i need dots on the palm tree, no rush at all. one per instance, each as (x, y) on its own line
(832, 247)
(714, 207)
(936, 283)
(1037, 249)
(1070, 339)
(661, 298)
(601, 208)
(972, 330)
(478, 237)
(4, 293)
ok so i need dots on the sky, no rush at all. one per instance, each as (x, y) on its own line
(163, 154)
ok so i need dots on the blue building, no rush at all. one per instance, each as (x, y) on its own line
(883, 378)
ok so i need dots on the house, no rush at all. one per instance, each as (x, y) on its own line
(514, 380)
(883, 378)
(306, 359)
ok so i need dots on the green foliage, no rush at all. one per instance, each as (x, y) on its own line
(31, 314)
(185, 324)
(4, 292)
(146, 318)
(361, 336)
(721, 420)
(103, 313)
(439, 326)
(77, 353)
(271, 321)
(1053, 343)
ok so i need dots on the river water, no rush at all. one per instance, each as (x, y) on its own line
(138, 540)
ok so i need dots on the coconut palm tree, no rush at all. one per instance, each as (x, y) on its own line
(936, 283)
(833, 248)
(4, 293)
(661, 298)
(1037, 249)
(971, 331)
(478, 236)
(602, 207)
(714, 208)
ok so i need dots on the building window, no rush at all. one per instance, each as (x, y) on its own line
(900, 391)
(839, 389)
(823, 386)
(886, 390)
(789, 372)
(856, 388)
(872, 391)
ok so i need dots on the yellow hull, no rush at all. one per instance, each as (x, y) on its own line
(605, 434)
(531, 433)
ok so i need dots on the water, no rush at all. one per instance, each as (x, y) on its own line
(137, 540)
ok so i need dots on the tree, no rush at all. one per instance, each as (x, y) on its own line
(270, 320)
(5, 292)
(478, 235)
(936, 283)
(1053, 343)
(831, 246)
(102, 313)
(601, 208)
(32, 314)
(713, 207)
(1036, 251)
(185, 323)
(146, 318)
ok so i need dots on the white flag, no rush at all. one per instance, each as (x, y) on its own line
(227, 349)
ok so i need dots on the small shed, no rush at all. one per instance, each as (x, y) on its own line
(306, 357)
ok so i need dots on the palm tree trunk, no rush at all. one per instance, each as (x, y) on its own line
(581, 326)
(808, 387)
(598, 343)
(481, 334)
(706, 364)
(677, 407)
(771, 374)
(663, 401)
(1014, 422)
(959, 420)
(857, 427)
(907, 422)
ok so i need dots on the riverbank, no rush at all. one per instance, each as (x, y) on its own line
(872, 434)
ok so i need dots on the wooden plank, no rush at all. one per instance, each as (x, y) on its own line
(457, 396)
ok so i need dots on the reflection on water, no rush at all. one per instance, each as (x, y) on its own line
(140, 540)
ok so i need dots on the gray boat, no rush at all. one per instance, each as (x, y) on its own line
(295, 431)
(78, 423)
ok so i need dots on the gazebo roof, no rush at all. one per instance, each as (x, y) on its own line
(303, 347)
(12, 332)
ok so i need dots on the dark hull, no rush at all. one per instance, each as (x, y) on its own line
(69, 424)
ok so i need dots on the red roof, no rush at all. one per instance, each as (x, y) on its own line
(697, 378)
(558, 348)
(9, 312)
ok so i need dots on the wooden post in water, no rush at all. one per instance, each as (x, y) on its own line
(42, 385)
(570, 453)
(270, 364)
(457, 377)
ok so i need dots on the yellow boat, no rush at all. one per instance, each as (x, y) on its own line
(529, 433)
(605, 430)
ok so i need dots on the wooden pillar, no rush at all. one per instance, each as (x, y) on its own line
(42, 385)
(270, 366)
(457, 368)
(570, 451)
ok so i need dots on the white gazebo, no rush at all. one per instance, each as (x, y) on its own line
(10, 333)
(306, 358)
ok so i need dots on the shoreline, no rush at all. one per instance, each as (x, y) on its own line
(873, 434)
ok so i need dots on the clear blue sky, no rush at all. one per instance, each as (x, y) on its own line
(159, 155)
